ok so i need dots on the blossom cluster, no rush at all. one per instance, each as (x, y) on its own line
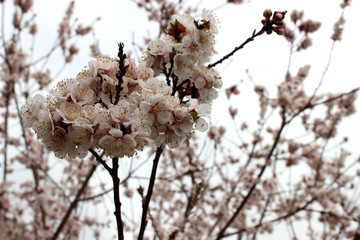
(118, 105)
(182, 54)
(273, 19)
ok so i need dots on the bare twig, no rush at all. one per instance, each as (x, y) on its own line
(254, 35)
(100, 160)
(116, 184)
(262, 216)
(284, 217)
(253, 187)
(74, 203)
(310, 105)
(123, 181)
(8, 93)
(149, 193)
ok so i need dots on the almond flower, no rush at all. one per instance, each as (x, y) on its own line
(81, 113)
(116, 144)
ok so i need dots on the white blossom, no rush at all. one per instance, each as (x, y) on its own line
(91, 111)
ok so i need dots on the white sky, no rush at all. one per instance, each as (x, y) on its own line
(120, 19)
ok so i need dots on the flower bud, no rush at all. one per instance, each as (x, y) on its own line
(278, 16)
(267, 13)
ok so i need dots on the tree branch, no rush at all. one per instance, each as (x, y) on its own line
(121, 73)
(74, 203)
(253, 187)
(149, 193)
(116, 186)
(100, 160)
(254, 35)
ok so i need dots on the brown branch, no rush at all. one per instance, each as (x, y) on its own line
(9, 91)
(74, 203)
(309, 105)
(121, 72)
(254, 35)
(100, 160)
(194, 195)
(149, 193)
(284, 217)
(123, 181)
(336, 97)
(262, 216)
(253, 187)
(116, 186)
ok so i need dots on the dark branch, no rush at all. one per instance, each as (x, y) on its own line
(149, 193)
(254, 35)
(121, 73)
(100, 160)
(74, 203)
(116, 186)
(253, 187)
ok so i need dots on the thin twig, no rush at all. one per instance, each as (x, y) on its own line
(116, 184)
(74, 202)
(254, 35)
(336, 97)
(253, 187)
(262, 216)
(7, 104)
(310, 105)
(123, 181)
(327, 64)
(100, 160)
(284, 217)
